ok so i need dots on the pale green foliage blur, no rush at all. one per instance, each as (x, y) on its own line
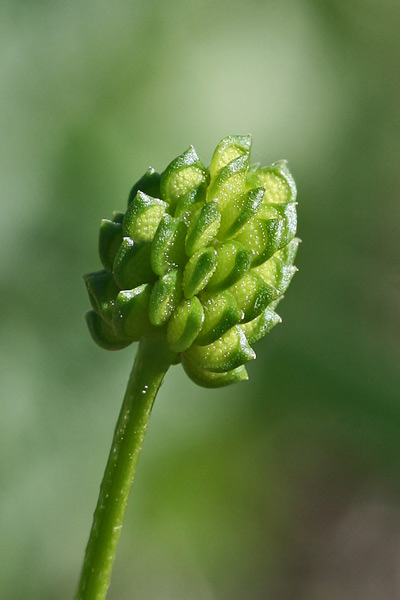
(286, 487)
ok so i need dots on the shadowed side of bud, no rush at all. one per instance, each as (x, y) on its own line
(202, 256)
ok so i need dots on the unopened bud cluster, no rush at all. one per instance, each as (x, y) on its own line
(202, 256)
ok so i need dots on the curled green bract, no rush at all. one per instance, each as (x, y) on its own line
(201, 256)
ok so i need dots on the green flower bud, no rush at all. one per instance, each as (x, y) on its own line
(203, 256)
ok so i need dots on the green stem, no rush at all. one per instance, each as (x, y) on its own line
(152, 362)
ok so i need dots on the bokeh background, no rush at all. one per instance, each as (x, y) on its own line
(286, 487)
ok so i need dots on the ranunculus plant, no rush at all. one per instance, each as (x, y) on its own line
(193, 271)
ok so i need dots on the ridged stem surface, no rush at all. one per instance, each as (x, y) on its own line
(152, 362)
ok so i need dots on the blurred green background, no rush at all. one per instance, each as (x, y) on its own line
(286, 487)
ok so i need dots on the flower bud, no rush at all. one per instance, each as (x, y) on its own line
(203, 256)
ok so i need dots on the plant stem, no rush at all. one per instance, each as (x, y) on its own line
(151, 363)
